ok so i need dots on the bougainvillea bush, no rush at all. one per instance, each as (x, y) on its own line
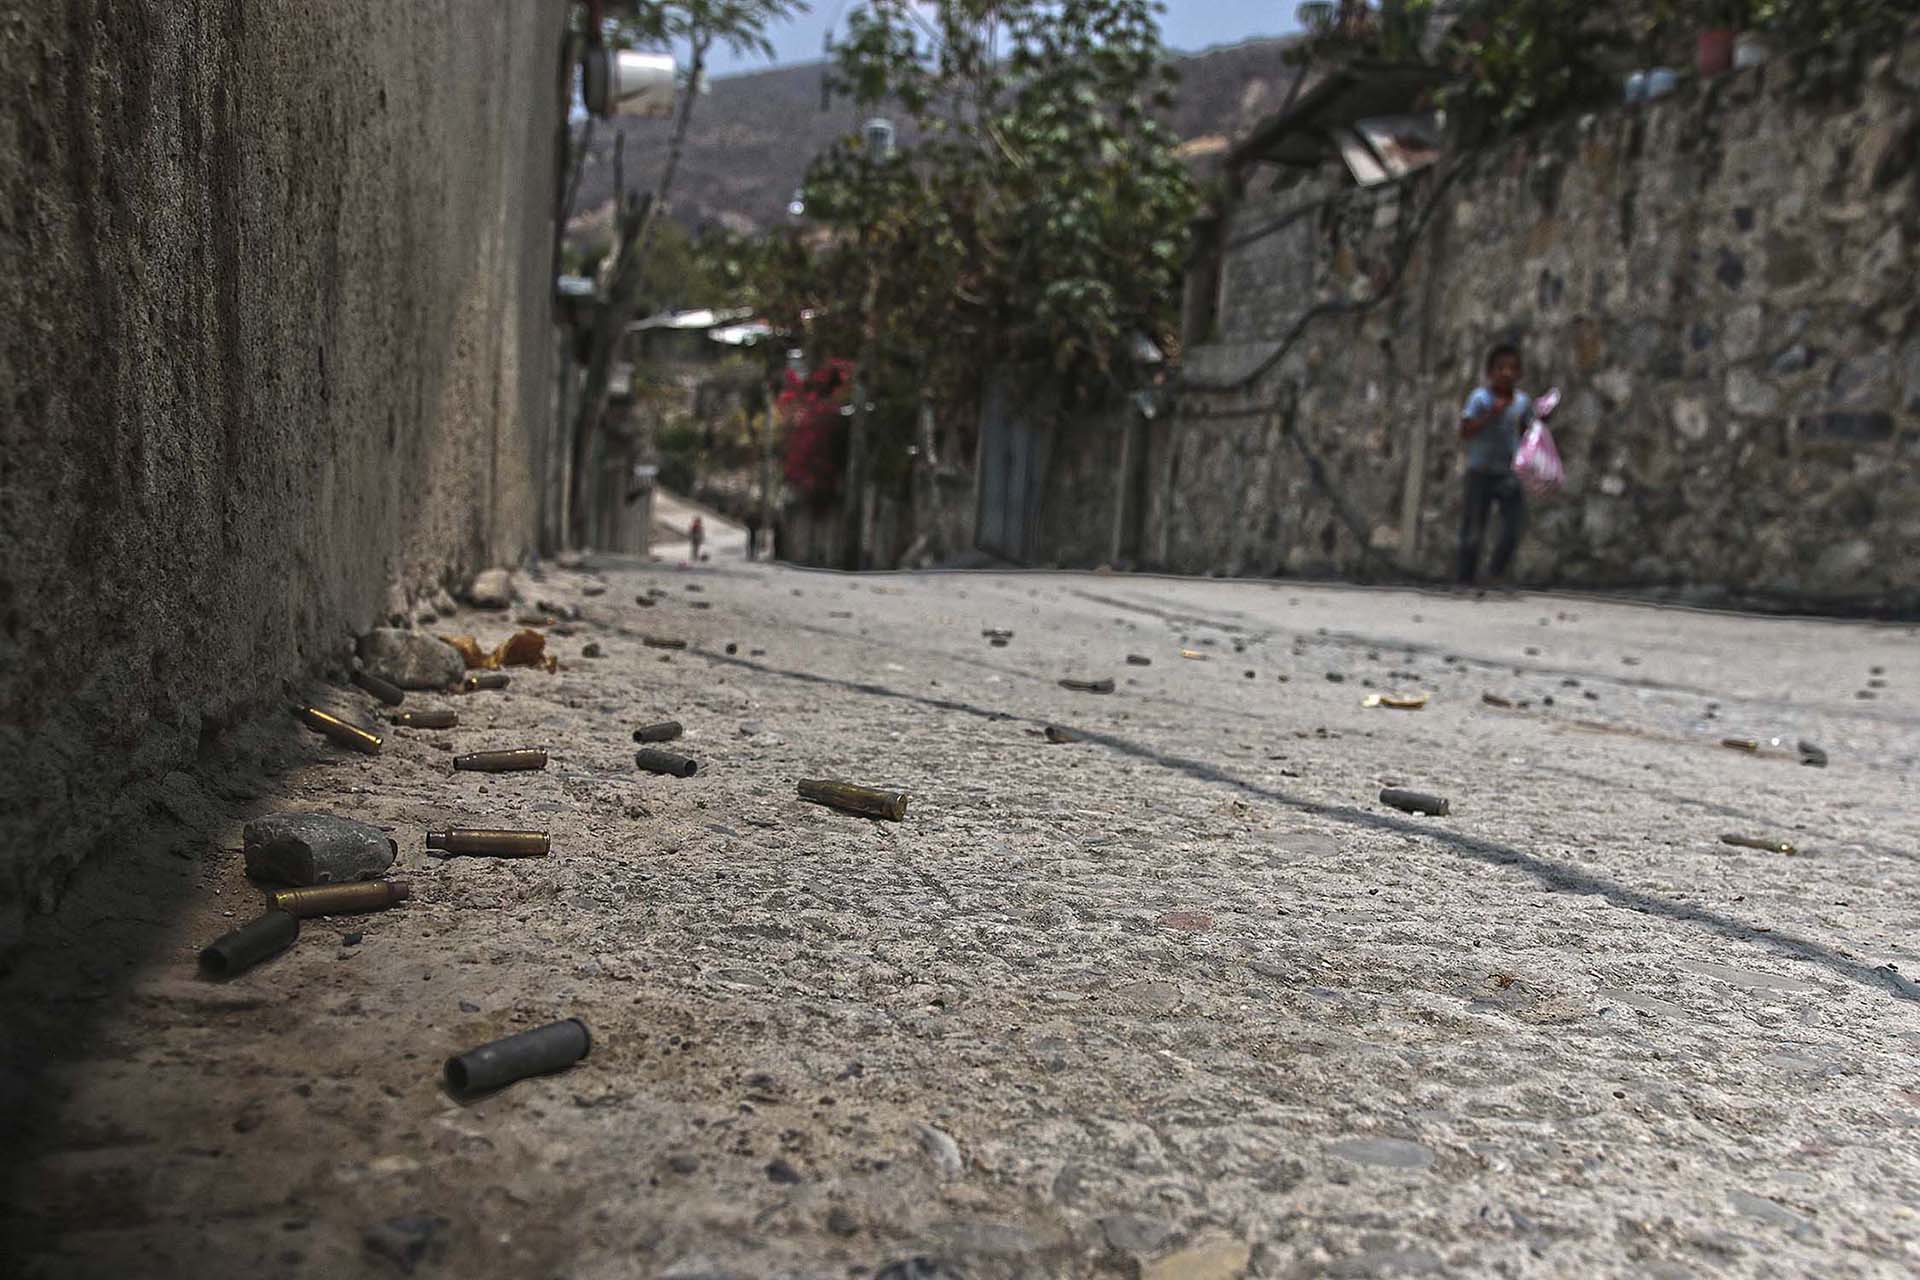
(816, 455)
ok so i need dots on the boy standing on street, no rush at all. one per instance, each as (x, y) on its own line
(1491, 426)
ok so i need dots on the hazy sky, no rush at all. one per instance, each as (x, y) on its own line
(1186, 25)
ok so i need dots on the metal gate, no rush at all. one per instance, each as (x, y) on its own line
(1009, 467)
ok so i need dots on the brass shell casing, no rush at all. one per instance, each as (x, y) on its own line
(502, 761)
(340, 899)
(851, 798)
(491, 844)
(347, 735)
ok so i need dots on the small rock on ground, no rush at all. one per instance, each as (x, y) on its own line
(411, 660)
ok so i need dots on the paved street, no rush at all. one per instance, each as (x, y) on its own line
(1181, 999)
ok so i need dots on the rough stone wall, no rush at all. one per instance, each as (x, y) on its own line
(277, 340)
(1723, 284)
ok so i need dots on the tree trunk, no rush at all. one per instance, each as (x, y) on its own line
(624, 295)
(853, 488)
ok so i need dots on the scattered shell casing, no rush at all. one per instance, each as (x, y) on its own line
(340, 899)
(664, 731)
(850, 798)
(1495, 700)
(1756, 842)
(1088, 686)
(550, 1048)
(434, 718)
(663, 642)
(1139, 660)
(478, 842)
(486, 680)
(347, 735)
(502, 761)
(248, 945)
(1741, 744)
(1414, 802)
(654, 760)
(385, 690)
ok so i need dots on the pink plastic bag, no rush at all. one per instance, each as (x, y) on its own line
(1538, 462)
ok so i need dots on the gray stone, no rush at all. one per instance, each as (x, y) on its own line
(399, 609)
(408, 1241)
(1388, 1153)
(315, 848)
(841, 1222)
(1133, 1233)
(1746, 393)
(410, 659)
(444, 604)
(1862, 382)
(1744, 331)
(941, 1149)
(1795, 359)
(491, 589)
(1690, 417)
(1767, 1210)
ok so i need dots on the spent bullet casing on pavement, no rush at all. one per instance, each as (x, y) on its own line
(502, 761)
(480, 842)
(1757, 842)
(347, 735)
(1415, 802)
(340, 899)
(665, 731)
(248, 945)
(531, 1053)
(385, 690)
(1088, 686)
(865, 801)
(436, 718)
(663, 642)
(654, 760)
(486, 680)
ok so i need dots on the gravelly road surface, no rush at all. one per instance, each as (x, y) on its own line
(1178, 1000)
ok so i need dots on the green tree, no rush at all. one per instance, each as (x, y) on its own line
(700, 25)
(1043, 198)
(1035, 221)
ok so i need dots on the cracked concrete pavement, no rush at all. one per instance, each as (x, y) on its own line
(1181, 999)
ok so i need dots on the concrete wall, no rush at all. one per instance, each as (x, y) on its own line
(276, 340)
(1723, 283)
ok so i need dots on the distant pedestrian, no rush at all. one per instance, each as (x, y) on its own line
(753, 533)
(1491, 426)
(696, 534)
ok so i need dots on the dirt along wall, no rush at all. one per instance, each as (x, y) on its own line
(274, 357)
(1721, 281)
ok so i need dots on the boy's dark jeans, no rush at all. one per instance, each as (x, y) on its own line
(1486, 490)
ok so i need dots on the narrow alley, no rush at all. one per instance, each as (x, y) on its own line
(1179, 998)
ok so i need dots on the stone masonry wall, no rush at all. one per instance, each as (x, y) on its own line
(275, 354)
(1722, 282)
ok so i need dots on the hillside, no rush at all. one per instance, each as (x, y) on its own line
(754, 135)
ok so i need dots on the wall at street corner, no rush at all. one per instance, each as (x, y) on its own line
(1723, 283)
(276, 352)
